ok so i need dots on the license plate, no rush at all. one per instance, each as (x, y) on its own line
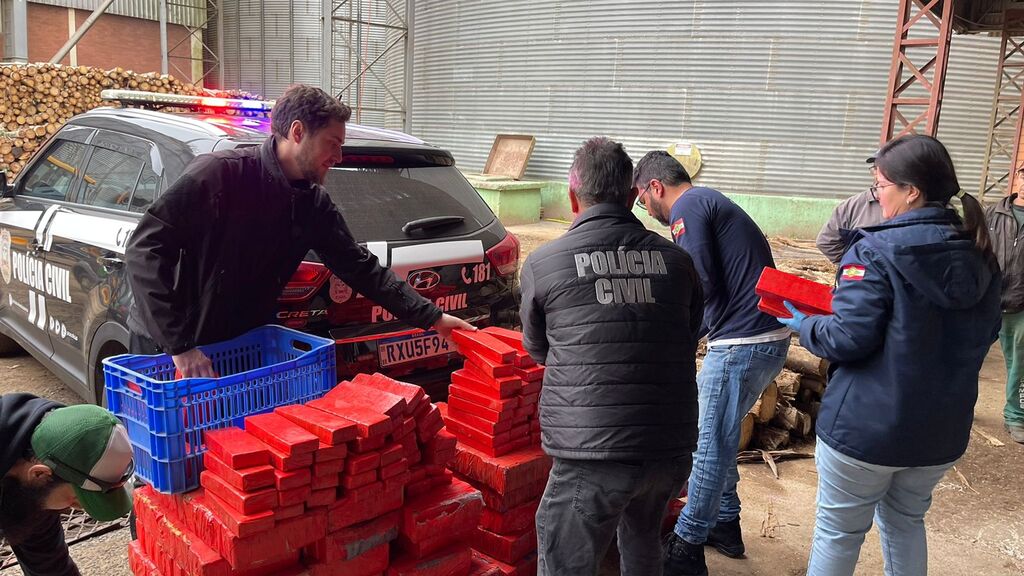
(408, 348)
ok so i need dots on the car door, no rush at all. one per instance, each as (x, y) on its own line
(50, 178)
(85, 242)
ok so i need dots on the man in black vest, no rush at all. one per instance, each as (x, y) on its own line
(613, 310)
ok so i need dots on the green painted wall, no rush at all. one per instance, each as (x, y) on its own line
(795, 217)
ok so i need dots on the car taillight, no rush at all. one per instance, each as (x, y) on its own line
(307, 279)
(504, 256)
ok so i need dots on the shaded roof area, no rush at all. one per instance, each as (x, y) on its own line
(983, 16)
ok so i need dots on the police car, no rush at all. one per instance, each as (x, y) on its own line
(66, 219)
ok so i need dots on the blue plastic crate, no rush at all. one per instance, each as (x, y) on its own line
(264, 368)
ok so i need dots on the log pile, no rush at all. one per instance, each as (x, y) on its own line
(787, 409)
(39, 98)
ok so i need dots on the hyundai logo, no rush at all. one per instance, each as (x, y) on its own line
(424, 280)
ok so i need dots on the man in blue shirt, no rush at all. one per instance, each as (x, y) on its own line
(746, 349)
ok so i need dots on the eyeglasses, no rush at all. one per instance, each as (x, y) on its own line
(640, 199)
(874, 188)
(104, 485)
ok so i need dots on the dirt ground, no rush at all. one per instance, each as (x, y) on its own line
(975, 527)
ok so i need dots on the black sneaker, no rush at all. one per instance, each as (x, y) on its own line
(683, 558)
(727, 539)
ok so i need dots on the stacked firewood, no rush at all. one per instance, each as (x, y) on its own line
(787, 409)
(39, 98)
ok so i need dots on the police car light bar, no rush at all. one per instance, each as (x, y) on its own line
(140, 97)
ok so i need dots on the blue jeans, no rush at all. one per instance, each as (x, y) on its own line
(587, 502)
(731, 380)
(850, 493)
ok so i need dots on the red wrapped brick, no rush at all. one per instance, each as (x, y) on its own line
(332, 467)
(245, 502)
(486, 566)
(452, 561)
(294, 495)
(412, 393)
(439, 517)
(281, 434)
(525, 411)
(323, 482)
(481, 398)
(370, 422)
(287, 538)
(351, 481)
(394, 469)
(490, 387)
(531, 388)
(364, 445)
(807, 296)
(529, 399)
(512, 338)
(328, 453)
(492, 445)
(323, 497)
(236, 448)
(241, 525)
(354, 541)
(512, 498)
(459, 404)
(533, 374)
(329, 428)
(398, 481)
(290, 463)
(429, 426)
(288, 512)
(503, 474)
(512, 521)
(371, 563)
(139, 562)
(194, 556)
(408, 426)
(410, 448)
(483, 345)
(393, 453)
(520, 443)
(488, 367)
(482, 424)
(506, 548)
(362, 463)
(520, 431)
(246, 479)
(373, 398)
(291, 480)
(357, 505)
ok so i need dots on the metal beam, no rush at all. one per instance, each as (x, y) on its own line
(163, 36)
(914, 97)
(80, 32)
(996, 171)
(15, 28)
(410, 38)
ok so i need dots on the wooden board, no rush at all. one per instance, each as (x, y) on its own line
(509, 155)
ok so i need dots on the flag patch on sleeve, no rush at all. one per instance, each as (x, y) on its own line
(852, 272)
(678, 228)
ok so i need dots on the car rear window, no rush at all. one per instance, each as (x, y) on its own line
(378, 202)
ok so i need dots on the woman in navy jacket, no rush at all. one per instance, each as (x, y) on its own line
(916, 309)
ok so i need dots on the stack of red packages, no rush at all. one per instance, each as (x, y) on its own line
(435, 533)
(313, 489)
(492, 400)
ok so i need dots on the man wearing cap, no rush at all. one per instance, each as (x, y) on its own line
(855, 212)
(54, 457)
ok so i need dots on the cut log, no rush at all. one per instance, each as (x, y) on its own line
(771, 438)
(788, 417)
(764, 408)
(814, 384)
(788, 383)
(746, 431)
(800, 360)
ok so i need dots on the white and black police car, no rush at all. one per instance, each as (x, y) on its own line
(65, 221)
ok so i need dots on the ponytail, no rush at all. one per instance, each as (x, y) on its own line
(974, 225)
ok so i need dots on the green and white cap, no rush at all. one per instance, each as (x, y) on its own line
(88, 447)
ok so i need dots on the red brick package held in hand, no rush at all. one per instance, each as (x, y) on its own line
(775, 287)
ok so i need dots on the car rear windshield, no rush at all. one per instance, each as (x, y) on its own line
(378, 201)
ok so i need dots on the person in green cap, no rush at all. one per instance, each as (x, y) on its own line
(54, 457)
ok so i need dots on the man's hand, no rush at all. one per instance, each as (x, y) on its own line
(446, 323)
(194, 364)
(794, 322)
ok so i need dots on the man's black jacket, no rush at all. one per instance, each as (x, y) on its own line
(613, 310)
(209, 258)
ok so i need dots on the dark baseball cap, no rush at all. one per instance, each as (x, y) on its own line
(871, 159)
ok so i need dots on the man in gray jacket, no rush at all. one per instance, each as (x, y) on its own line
(613, 310)
(1006, 230)
(857, 211)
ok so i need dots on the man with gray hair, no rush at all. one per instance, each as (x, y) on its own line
(612, 309)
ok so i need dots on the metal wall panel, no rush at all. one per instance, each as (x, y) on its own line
(185, 12)
(781, 97)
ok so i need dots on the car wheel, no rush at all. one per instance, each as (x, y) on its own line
(8, 347)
